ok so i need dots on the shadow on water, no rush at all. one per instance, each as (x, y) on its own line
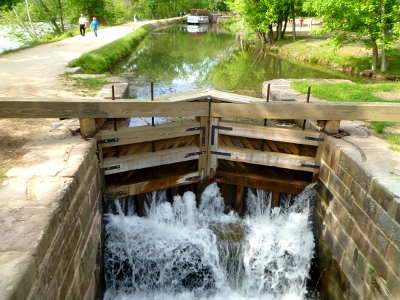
(181, 58)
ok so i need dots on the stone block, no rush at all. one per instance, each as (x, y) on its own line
(324, 172)
(362, 266)
(340, 191)
(361, 241)
(332, 152)
(341, 236)
(393, 258)
(358, 193)
(371, 207)
(14, 190)
(377, 262)
(333, 245)
(386, 192)
(343, 216)
(378, 239)
(393, 285)
(318, 224)
(345, 177)
(354, 276)
(361, 218)
(390, 227)
(323, 192)
(19, 273)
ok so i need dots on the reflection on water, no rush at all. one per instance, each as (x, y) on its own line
(182, 58)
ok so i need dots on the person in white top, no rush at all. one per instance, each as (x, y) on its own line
(310, 22)
(82, 25)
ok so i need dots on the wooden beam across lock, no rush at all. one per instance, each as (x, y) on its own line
(281, 185)
(231, 106)
(149, 159)
(146, 186)
(266, 158)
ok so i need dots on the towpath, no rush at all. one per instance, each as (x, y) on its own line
(34, 72)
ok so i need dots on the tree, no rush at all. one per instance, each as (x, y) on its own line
(351, 20)
(262, 15)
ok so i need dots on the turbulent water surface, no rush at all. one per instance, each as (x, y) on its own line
(183, 251)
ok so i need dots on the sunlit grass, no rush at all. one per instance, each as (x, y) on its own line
(349, 92)
(3, 171)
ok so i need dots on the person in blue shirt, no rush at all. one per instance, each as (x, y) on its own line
(94, 25)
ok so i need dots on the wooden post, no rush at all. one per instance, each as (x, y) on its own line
(88, 127)
(239, 199)
(140, 204)
(275, 199)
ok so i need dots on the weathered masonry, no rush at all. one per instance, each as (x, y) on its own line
(212, 140)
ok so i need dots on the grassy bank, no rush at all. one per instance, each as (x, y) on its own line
(102, 59)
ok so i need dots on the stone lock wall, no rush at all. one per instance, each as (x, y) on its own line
(52, 248)
(357, 221)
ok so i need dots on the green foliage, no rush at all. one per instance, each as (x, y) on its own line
(3, 171)
(103, 59)
(90, 83)
(348, 92)
(379, 127)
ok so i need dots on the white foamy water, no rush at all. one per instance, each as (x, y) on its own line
(179, 251)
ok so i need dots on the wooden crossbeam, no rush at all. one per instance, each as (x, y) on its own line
(266, 158)
(261, 182)
(313, 110)
(151, 185)
(162, 107)
(148, 133)
(273, 133)
(149, 159)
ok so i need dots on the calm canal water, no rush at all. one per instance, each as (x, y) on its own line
(182, 58)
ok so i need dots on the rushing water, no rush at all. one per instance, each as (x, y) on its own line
(178, 59)
(181, 251)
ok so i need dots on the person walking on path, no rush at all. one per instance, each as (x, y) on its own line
(310, 22)
(82, 25)
(94, 25)
(301, 22)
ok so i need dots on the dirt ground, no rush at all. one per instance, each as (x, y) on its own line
(35, 73)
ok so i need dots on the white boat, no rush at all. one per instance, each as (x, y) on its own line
(198, 20)
(198, 16)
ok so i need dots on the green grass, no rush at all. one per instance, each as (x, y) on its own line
(379, 127)
(349, 92)
(103, 59)
(3, 171)
(88, 83)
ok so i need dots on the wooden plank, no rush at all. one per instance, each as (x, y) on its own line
(190, 97)
(265, 158)
(98, 108)
(148, 133)
(269, 183)
(125, 108)
(231, 97)
(313, 110)
(274, 133)
(149, 159)
(152, 185)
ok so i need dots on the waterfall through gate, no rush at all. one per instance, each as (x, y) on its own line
(181, 251)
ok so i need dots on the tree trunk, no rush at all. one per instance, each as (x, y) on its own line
(30, 19)
(293, 22)
(52, 20)
(374, 57)
(384, 62)
(23, 24)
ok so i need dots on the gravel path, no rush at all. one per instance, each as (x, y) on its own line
(34, 72)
